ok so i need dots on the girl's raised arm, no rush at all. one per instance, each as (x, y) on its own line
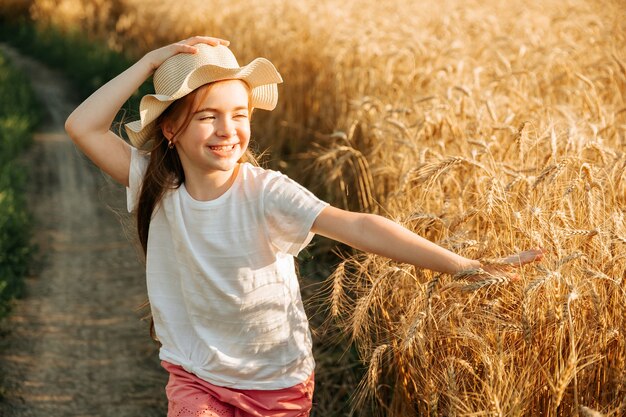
(376, 234)
(89, 125)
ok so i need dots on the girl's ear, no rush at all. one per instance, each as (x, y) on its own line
(168, 130)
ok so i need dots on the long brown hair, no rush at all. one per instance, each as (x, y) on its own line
(165, 171)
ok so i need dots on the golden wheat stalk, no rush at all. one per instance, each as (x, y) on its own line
(506, 144)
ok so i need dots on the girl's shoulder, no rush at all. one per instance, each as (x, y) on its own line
(139, 159)
(267, 181)
(260, 174)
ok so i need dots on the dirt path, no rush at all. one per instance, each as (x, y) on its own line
(74, 346)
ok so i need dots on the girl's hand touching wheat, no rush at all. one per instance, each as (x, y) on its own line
(502, 267)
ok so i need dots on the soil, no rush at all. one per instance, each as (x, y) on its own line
(75, 344)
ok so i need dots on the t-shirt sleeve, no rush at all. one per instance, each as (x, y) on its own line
(138, 165)
(290, 210)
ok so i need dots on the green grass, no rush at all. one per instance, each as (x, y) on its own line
(88, 63)
(18, 116)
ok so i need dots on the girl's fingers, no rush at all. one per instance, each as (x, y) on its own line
(209, 40)
(498, 271)
(524, 257)
(503, 268)
(158, 56)
(185, 48)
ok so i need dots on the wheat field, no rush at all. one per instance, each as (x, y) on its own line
(486, 126)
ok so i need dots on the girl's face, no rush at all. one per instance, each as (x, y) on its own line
(218, 132)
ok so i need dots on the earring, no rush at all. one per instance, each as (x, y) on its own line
(170, 144)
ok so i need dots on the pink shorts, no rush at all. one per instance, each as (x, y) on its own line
(190, 396)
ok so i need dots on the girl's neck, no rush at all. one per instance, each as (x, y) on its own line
(206, 187)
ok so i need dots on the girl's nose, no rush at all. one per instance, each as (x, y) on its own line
(226, 128)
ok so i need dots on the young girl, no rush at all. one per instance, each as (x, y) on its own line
(220, 234)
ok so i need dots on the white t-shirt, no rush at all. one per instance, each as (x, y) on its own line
(221, 278)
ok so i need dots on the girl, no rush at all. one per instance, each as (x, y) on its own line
(220, 234)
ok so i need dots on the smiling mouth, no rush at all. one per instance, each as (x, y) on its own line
(223, 148)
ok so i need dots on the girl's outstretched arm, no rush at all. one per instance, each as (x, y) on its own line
(89, 124)
(376, 234)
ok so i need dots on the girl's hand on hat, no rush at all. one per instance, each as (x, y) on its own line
(156, 57)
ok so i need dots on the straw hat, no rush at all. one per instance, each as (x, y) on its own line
(183, 73)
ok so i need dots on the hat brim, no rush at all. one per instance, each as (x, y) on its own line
(260, 75)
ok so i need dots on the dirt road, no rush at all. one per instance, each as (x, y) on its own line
(74, 346)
